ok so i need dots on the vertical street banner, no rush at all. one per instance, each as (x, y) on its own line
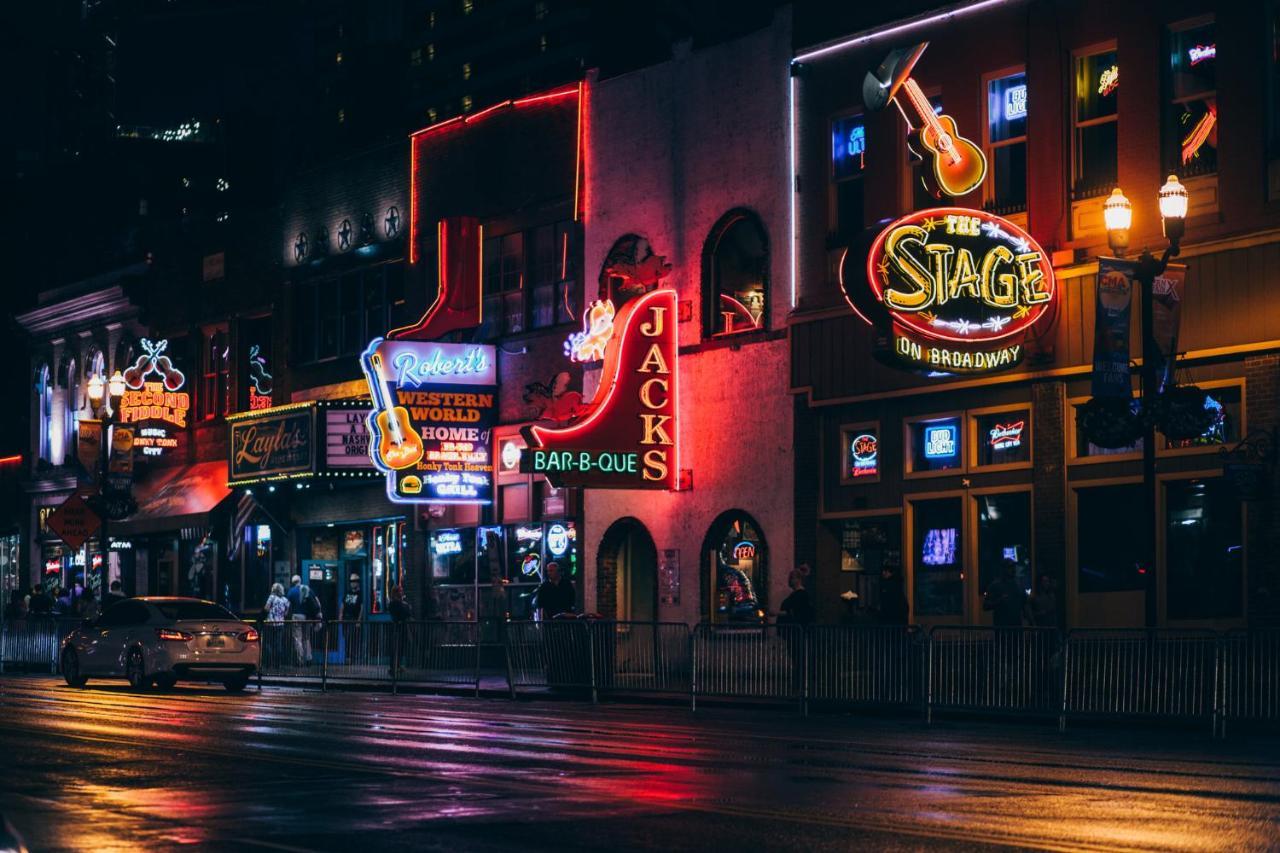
(1113, 308)
(89, 445)
(1166, 315)
(120, 460)
(430, 431)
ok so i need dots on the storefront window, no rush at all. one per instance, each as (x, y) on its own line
(735, 275)
(1097, 79)
(738, 559)
(1204, 550)
(934, 445)
(938, 557)
(867, 547)
(1227, 406)
(1007, 135)
(1004, 535)
(1191, 117)
(1003, 438)
(860, 453)
(1109, 547)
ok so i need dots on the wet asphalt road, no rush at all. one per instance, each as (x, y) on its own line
(104, 768)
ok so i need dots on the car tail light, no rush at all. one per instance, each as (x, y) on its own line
(170, 634)
(250, 636)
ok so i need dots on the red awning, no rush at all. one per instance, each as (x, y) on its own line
(175, 498)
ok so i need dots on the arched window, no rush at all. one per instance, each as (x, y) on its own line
(44, 412)
(72, 409)
(735, 275)
(735, 561)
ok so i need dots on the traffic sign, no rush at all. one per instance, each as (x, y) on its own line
(74, 522)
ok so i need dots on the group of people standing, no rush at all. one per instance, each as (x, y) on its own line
(75, 601)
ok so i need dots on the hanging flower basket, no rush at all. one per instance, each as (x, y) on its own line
(1109, 422)
(1180, 413)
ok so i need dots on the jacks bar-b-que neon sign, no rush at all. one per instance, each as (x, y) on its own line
(961, 289)
(628, 438)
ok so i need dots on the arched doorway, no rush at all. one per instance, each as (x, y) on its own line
(734, 569)
(627, 573)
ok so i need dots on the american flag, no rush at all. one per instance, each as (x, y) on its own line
(244, 509)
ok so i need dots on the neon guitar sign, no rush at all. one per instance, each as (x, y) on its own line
(957, 166)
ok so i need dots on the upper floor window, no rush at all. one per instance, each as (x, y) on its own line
(848, 163)
(337, 316)
(1096, 80)
(215, 378)
(44, 412)
(1007, 143)
(736, 275)
(72, 409)
(529, 279)
(1191, 115)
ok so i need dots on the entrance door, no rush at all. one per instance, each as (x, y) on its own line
(324, 579)
(637, 578)
(1106, 579)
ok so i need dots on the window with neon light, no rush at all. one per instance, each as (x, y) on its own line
(215, 370)
(736, 275)
(1190, 132)
(1095, 83)
(848, 164)
(935, 445)
(336, 316)
(938, 557)
(44, 410)
(1004, 534)
(504, 280)
(1226, 406)
(737, 561)
(1007, 143)
(1003, 438)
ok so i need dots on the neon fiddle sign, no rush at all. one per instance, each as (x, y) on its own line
(155, 399)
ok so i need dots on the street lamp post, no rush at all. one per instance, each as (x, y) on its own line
(115, 388)
(1118, 215)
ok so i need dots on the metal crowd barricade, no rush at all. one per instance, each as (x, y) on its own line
(554, 654)
(979, 668)
(34, 641)
(749, 662)
(438, 653)
(642, 657)
(1140, 672)
(1249, 677)
(292, 649)
(358, 651)
(866, 665)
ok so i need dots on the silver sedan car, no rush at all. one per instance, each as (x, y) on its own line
(160, 641)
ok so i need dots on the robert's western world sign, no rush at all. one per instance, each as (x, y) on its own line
(628, 437)
(958, 289)
(435, 405)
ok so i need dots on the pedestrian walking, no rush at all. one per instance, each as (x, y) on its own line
(41, 604)
(1005, 597)
(555, 595)
(275, 611)
(401, 612)
(894, 609)
(352, 604)
(298, 595)
(797, 608)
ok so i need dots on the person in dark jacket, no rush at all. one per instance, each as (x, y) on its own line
(401, 612)
(1042, 606)
(41, 604)
(1005, 597)
(894, 609)
(555, 595)
(797, 608)
(114, 595)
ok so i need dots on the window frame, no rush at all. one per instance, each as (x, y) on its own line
(214, 405)
(1072, 586)
(989, 146)
(971, 444)
(834, 225)
(1167, 100)
(908, 461)
(727, 221)
(1077, 125)
(847, 431)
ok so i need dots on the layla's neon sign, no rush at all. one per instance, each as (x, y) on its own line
(628, 438)
(960, 287)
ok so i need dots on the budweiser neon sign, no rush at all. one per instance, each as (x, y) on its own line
(1006, 436)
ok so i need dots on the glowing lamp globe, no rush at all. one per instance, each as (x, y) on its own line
(95, 389)
(1173, 199)
(117, 386)
(1117, 215)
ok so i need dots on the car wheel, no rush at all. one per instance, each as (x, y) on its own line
(166, 681)
(71, 669)
(135, 669)
(237, 684)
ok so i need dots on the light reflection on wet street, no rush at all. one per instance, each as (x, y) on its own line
(108, 769)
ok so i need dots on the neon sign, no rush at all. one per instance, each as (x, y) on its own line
(744, 551)
(864, 452)
(597, 329)
(627, 439)
(154, 402)
(960, 287)
(1015, 102)
(1006, 436)
(434, 408)
(446, 542)
(1108, 80)
(940, 441)
(1201, 52)
(557, 540)
(259, 380)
